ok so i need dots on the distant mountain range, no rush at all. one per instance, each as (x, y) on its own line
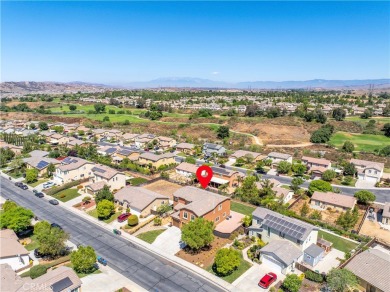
(61, 87)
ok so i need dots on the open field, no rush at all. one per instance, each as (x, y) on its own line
(382, 120)
(362, 142)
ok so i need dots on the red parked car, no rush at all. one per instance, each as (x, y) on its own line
(123, 217)
(267, 280)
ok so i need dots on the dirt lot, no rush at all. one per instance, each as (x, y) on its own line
(373, 229)
(163, 187)
(205, 257)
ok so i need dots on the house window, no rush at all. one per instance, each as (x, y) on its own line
(220, 207)
(317, 203)
(192, 217)
(185, 215)
(217, 219)
(224, 214)
(175, 199)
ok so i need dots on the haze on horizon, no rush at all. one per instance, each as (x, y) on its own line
(120, 42)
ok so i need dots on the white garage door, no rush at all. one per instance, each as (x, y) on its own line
(370, 178)
(272, 263)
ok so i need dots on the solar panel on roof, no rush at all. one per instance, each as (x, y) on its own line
(98, 170)
(61, 285)
(42, 164)
(67, 160)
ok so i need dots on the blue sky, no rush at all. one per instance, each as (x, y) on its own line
(114, 42)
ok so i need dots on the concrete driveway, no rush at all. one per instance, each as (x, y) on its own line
(329, 261)
(169, 240)
(250, 279)
(360, 183)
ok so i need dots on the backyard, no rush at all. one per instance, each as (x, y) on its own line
(362, 142)
(339, 243)
(136, 181)
(241, 208)
(150, 236)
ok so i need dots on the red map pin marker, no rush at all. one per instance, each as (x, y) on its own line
(204, 175)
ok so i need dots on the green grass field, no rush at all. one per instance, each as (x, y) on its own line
(339, 243)
(66, 195)
(365, 121)
(242, 268)
(33, 244)
(38, 182)
(241, 208)
(362, 142)
(113, 217)
(137, 181)
(150, 236)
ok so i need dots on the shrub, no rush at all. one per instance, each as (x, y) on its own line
(313, 276)
(37, 271)
(79, 187)
(157, 221)
(132, 220)
(226, 261)
(62, 196)
(86, 199)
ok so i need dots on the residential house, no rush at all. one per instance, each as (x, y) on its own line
(15, 149)
(38, 153)
(316, 166)
(368, 170)
(155, 160)
(338, 202)
(12, 252)
(73, 142)
(128, 138)
(143, 140)
(371, 267)
(61, 279)
(386, 213)
(191, 202)
(103, 175)
(243, 153)
(58, 139)
(269, 225)
(223, 176)
(124, 152)
(277, 157)
(142, 201)
(186, 169)
(107, 150)
(186, 148)
(40, 164)
(209, 149)
(166, 143)
(73, 168)
(282, 193)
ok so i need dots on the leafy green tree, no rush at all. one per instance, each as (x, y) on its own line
(385, 151)
(364, 196)
(31, 175)
(15, 217)
(104, 194)
(386, 129)
(248, 190)
(132, 220)
(295, 183)
(247, 220)
(350, 169)
(163, 208)
(298, 168)
(223, 132)
(43, 126)
(305, 210)
(339, 114)
(320, 186)
(190, 159)
(226, 261)
(284, 167)
(58, 129)
(105, 208)
(341, 280)
(33, 126)
(51, 169)
(99, 107)
(51, 239)
(316, 215)
(366, 114)
(292, 283)
(322, 135)
(348, 146)
(328, 175)
(348, 219)
(72, 107)
(198, 233)
(83, 260)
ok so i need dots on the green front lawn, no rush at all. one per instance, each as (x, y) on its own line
(113, 217)
(137, 181)
(67, 195)
(362, 142)
(150, 236)
(242, 268)
(241, 208)
(339, 243)
(38, 182)
(33, 244)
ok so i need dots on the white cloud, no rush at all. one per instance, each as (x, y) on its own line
(215, 73)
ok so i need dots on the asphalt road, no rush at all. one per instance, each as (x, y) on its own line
(137, 264)
(382, 195)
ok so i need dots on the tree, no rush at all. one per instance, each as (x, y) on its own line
(328, 175)
(198, 233)
(305, 210)
(322, 135)
(51, 169)
(316, 215)
(247, 220)
(99, 107)
(223, 132)
(295, 183)
(364, 196)
(292, 283)
(284, 167)
(163, 208)
(226, 261)
(366, 114)
(43, 126)
(132, 220)
(298, 168)
(51, 239)
(72, 107)
(105, 208)
(319, 185)
(83, 260)
(33, 126)
(339, 114)
(385, 151)
(341, 280)
(106, 119)
(15, 217)
(386, 129)
(248, 190)
(348, 219)
(190, 159)
(31, 175)
(349, 169)
(348, 146)
(104, 194)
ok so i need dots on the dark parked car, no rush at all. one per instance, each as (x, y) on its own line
(222, 166)
(38, 255)
(53, 202)
(18, 184)
(267, 280)
(56, 225)
(39, 195)
(26, 232)
(123, 217)
(35, 191)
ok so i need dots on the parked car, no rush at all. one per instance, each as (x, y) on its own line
(123, 217)
(24, 187)
(48, 184)
(56, 225)
(37, 254)
(26, 232)
(267, 280)
(53, 202)
(18, 184)
(102, 260)
(35, 191)
(222, 166)
(39, 195)
(117, 232)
